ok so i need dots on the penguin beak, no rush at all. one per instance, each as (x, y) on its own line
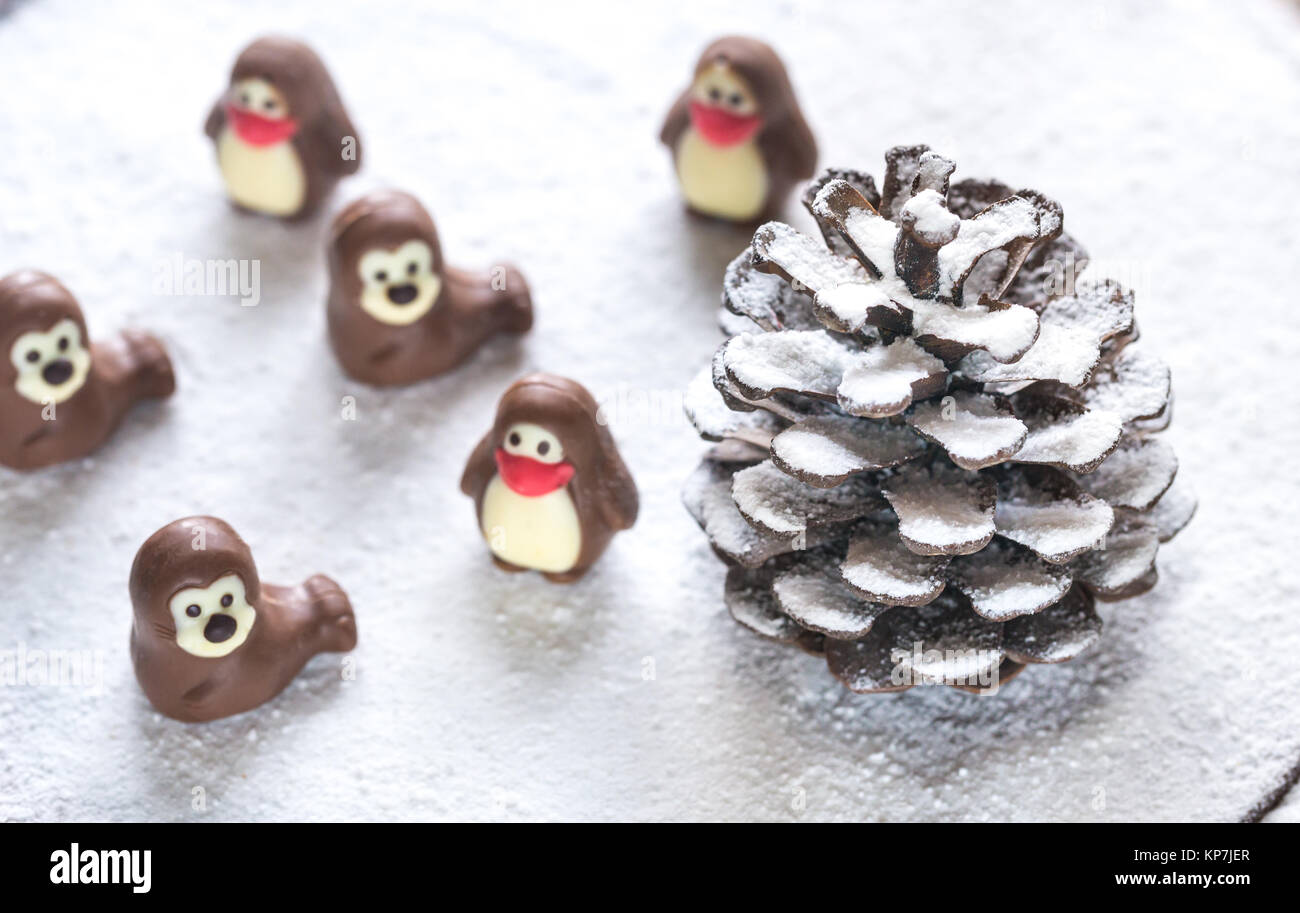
(532, 478)
(721, 127)
(257, 130)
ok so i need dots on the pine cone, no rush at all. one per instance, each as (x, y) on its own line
(937, 449)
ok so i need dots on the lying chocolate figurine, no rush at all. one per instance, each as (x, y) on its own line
(397, 313)
(549, 487)
(282, 136)
(738, 138)
(61, 396)
(210, 640)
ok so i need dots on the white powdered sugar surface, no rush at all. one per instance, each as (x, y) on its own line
(487, 696)
(805, 361)
(805, 259)
(825, 449)
(879, 382)
(873, 234)
(1128, 555)
(1053, 526)
(940, 511)
(1135, 386)
(1138, 473)
(995, 227)
(973, 428)
(880, 566)
(1003, 334)
(1074, 442)
(848, 304)
(1002, 586)
(928, 214)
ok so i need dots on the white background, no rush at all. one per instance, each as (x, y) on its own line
(1167, 130)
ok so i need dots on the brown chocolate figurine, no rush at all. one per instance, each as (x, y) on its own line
(549, 487)
(210, 639)
(282, 136)
(738, 138)
(397, 313)
(61, 397)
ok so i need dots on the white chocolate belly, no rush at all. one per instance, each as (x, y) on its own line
(541, 533)
(268, 179)
(730, 181)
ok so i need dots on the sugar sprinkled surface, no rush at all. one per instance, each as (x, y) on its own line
(495, 697)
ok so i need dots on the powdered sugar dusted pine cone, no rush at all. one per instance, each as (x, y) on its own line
(937, 449)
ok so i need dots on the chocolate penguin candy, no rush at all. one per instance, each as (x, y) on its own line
(938, 445)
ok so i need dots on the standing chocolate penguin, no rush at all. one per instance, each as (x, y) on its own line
(282, 136)
(738, 138)
(61, 397)
(549, 487)
(210, 639)
(397, 313)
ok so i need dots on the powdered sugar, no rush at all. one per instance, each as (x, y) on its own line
(1051, 516)
(1135, 475)
(1003, 582)
(751, 602)
(1055, 635)
(825, 450)
(882, 380)
(1003, 223)
(1004, 333)
(846, 307)
(927, 214)
(1127, 556)
(802, 259)
(707, 495)
(881, 568)
(941, 510)
(1173, 511)
(1134, 386)
(977, 430)
(868, 233)
(1068, 439)
(1069, 340)
(781, 504)
(821, 602)
(534, 702)
(714, 421)
(766, 299)
(802, 361)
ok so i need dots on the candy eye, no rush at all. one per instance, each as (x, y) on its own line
(543, 448)
(411, 268)
(227, 601)
(63, 344)
(193, 611)
(737, 100)
(269, 104)
(33, 356)
(515, 439)
(381, 276)
(715, 93)
(245, 98)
